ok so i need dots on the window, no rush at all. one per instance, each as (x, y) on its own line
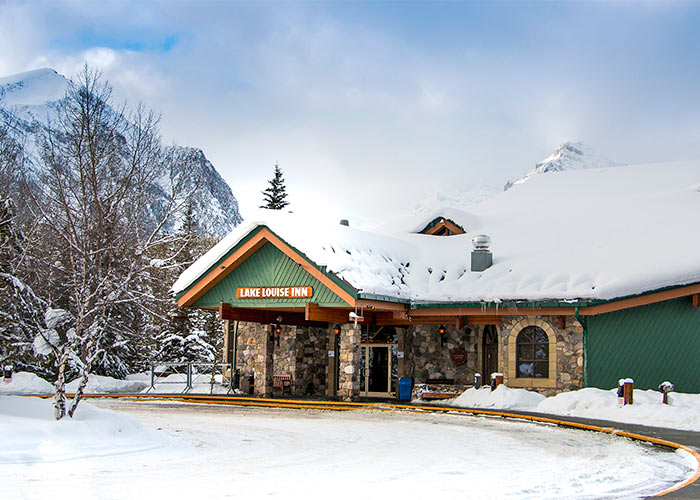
(532, 353)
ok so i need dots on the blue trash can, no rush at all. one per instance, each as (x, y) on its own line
(405, 387)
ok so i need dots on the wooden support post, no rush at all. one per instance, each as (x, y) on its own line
(496, 380)
(625, 391)
(696, 300)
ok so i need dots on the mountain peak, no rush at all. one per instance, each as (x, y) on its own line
(567, 156)
(34, 87)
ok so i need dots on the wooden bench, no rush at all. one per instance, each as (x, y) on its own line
(438, 395)
(282, 382)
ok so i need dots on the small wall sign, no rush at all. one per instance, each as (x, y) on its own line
(458, 356)
(331, 354)
(274, 292)
(399, 354)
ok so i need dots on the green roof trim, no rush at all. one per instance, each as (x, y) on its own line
(505, 303)
(437, 220)
(382, 298)
(542, 303)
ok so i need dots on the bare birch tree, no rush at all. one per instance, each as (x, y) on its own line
(102, 167)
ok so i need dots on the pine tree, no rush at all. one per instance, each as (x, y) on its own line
(274, 196)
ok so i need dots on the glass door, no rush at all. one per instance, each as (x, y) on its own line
(376, 370)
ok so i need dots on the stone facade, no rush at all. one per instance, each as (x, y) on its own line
(303, 353)
(311, 361)
(297, 351)
(429, 354)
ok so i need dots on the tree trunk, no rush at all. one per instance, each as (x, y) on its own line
(60, 385)
(78, 393)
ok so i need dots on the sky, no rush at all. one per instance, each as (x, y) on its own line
(371, 108)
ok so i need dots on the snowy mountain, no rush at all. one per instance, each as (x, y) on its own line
(568, 156)
(30, 98)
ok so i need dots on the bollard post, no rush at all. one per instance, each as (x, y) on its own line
(477, 380)
(7, 373)
(496, 380)
(625, 391)
(665, 388)
(189, 377)
(153, 376)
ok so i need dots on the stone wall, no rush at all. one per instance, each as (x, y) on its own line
(430, 359)
(311, 361)
(299, 352)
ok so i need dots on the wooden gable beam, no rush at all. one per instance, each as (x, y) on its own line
(263, 316)
(696, 300)
(313, 312)
(263, 236)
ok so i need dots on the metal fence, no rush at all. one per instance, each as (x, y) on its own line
(191, 378)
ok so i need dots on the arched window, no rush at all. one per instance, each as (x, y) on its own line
(532, 353)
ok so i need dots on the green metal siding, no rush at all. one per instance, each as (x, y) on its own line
(267, 267)
(649, 344)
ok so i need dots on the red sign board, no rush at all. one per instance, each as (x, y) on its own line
(274, 292)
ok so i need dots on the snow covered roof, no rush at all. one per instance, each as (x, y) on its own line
(585, 234)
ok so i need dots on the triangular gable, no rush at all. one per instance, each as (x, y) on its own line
(255, 240)
(442, 226)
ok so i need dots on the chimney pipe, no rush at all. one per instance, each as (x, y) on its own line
(482, 258)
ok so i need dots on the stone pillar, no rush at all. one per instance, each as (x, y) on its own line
(349, 384)
(263, 363)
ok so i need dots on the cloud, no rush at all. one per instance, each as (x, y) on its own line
(397, 99)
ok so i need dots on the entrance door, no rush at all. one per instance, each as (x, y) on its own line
(376, 370)
(489, 362)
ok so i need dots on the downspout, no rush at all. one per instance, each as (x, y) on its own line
(583, 323)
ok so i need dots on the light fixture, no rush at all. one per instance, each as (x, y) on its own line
(278, 334)
(336, 330)
(443, 334)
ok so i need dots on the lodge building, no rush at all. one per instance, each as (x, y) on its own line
(574, 291)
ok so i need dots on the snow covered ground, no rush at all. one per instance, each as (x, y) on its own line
(234, 452)
(682, 412)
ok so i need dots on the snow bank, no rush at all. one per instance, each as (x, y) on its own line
(503, 397)
(29, 433)
(682, 412)
(26, 383)
(98, 384)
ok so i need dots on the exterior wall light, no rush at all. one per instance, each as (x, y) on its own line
(443, 334)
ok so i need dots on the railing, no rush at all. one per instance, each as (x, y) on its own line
(191, 375)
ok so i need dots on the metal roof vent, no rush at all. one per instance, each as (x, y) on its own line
(482, 258)
(344, 222)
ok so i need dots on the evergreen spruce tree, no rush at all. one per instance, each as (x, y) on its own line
(274, 196)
